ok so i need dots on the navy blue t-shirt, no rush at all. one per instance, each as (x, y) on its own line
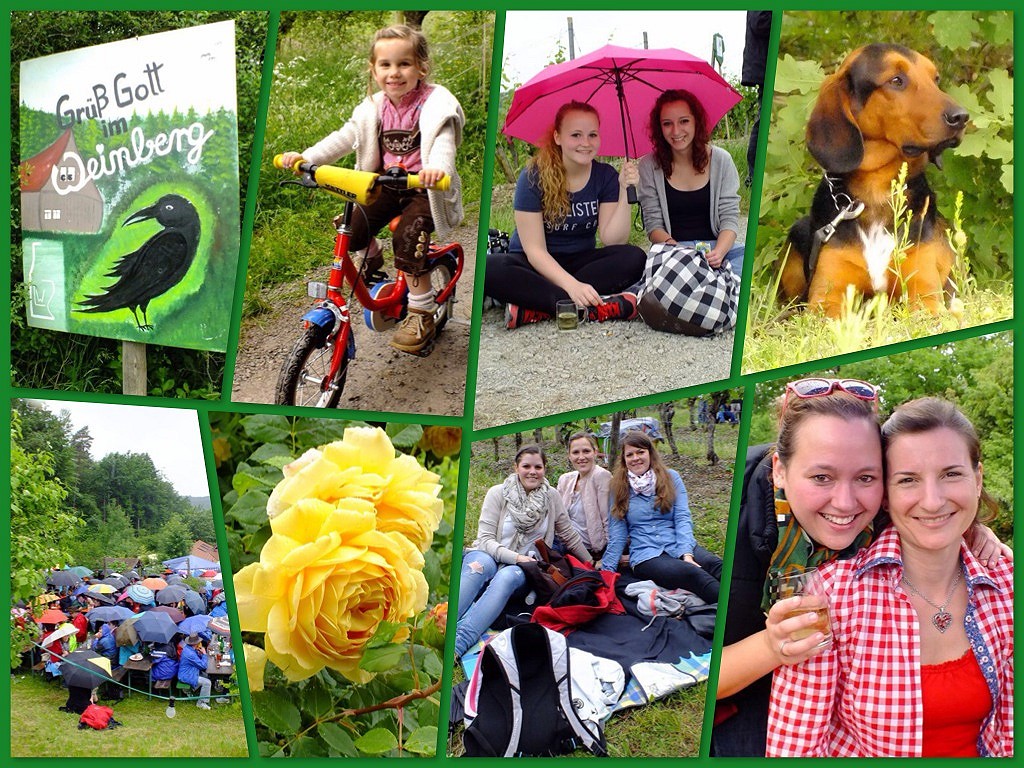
(579, 230)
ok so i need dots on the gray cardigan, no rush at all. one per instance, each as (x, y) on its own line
(725, 194)
(492, 521)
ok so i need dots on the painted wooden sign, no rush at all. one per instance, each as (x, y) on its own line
(129, 188)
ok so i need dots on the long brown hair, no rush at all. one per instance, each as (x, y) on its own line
(700, 153)
(664, 488)
(928, 413)
(549, 170)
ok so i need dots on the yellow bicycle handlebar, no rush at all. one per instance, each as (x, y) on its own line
(358, 186)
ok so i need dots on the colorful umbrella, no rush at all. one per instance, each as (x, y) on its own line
(172, 594)
(109, 613)
(64, 630)
(195, 602)
(52, 616)
(619, 83)
(47, 598)
(63, 579)
(85, 669)
(153, 583)
(197, 624)
(155, 627)
(208, 574)
(140, 593)
(220, 625)
(174, 613)
(81, 570)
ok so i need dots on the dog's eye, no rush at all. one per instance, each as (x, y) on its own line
(899, 82)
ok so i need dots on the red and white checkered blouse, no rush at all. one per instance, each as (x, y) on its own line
(862, 696)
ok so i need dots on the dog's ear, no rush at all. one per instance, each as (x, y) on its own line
(833, 136)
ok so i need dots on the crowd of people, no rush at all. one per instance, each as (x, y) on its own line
(99, 614)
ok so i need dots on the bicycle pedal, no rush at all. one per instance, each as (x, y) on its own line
(425, 352)
(377, 276)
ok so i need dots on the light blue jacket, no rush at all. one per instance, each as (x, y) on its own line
(650, 532)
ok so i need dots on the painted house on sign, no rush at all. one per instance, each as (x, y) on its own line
(42, 208)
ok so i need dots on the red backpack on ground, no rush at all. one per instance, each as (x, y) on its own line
(96, 717)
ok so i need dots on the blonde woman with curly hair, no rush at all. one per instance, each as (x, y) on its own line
(564, 199)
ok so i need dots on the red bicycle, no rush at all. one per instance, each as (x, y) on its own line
(315, 371)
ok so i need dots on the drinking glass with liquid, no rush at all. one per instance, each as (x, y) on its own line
(810, 586)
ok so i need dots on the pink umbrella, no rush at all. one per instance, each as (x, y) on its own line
(617, 81)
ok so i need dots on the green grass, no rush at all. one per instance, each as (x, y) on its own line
(38, 729)
(670, 727)
(777, 338)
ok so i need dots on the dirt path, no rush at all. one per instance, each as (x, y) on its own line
(379, 378)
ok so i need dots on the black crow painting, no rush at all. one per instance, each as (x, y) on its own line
(157, 266)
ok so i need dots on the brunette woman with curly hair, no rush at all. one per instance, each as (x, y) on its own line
(650, 510)
(564, 199)
(689, 190)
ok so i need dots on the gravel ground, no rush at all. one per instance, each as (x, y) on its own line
(379, 378)
(537, 370)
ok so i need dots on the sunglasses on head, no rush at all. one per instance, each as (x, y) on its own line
(815, 387)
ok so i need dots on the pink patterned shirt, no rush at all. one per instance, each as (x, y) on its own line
(862, 696)
(400, 129)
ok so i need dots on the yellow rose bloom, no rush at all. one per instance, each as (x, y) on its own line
(255, 664)
(326, 579)
(364, 465)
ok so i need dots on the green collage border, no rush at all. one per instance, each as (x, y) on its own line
(204, 408)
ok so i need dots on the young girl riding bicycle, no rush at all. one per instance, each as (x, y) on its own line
(417, 125)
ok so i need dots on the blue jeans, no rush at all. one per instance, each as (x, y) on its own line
(485, 587)
(734, 255)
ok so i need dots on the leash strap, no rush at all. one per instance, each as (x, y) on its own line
(848, 208)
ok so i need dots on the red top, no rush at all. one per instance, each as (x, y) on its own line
(956, 702)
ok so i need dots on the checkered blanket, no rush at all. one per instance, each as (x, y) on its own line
(691, 289)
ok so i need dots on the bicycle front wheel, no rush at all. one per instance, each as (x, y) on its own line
(304, 376)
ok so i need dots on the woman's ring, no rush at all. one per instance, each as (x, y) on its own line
(782, 648)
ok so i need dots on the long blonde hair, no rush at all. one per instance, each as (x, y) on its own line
(549, 170)
(413, 36)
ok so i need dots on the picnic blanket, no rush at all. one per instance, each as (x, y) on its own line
(667, 656)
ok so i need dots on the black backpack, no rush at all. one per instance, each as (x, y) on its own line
(520, 702)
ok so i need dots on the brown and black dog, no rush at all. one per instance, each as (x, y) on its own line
(882, 108)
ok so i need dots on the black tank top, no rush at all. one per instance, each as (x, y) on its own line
(689, 213)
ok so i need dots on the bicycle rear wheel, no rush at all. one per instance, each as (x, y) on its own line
(440, 275)
(303, 379)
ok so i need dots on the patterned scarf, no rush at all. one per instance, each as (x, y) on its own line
(525, 508)
(796, 552)
(642, 485)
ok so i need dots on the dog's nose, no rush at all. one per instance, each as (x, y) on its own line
(955, 117)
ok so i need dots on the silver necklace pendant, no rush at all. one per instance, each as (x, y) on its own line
(942, 620)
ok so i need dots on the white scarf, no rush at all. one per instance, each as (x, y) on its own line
(642, 485)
